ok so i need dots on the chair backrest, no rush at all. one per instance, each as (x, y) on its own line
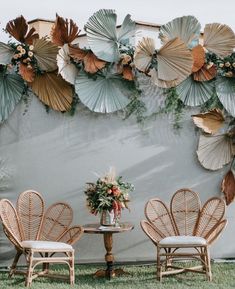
(185, 209)
(11, 223)
(30, 209)
(56, 221)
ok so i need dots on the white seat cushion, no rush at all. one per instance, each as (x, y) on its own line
(46, 245)
(184, 241)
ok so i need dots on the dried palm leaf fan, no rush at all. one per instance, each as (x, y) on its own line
(162, 83)
(194, 93)
(102, 35)
(210, 121)
(106, 94)
(91, 63)
(26, 72)
(144, 53)
(53, 90)
(19, 29)
(215, 151)
(66, 68)
(45, 53)
(11, 91)
(225, 89)
(199, 55)
(228, 187)
(6, 53)
(205, 73)
(187, 28)
(64, 31)
(219, 39)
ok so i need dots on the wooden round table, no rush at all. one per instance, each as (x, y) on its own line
(107, 232)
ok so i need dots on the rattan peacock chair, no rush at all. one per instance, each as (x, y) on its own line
(185, 231)
(42, 236)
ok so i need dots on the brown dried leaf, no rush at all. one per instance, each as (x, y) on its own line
(64, 31)
(26, 72)
(228, 187)
(53, 90)
(127, 73)
(205, 73)
(210, 121)
(77, 53)
(18, 28)
(198, 57)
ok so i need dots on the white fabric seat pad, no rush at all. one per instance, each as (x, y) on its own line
(184, 241)
(46, 245)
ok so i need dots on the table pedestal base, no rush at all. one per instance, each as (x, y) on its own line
(109, 274)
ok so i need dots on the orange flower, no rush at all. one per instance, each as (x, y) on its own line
(116, 191)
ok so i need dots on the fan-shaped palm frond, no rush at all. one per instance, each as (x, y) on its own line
(6, 53)
(215, 151)
(45, 53)
(102, 34)
(198, 57)
(18, 28)
(26, 72)
(64, 31)
(225, 89)
(11, 91)
(174, 61)
(144, 53)
(194, 93)
(66, 68)
(107, 93)
(53, 90)
(219, 39)
(186, 28)
(210, 121)
(205, 73)
(162, 83)
(228, 187)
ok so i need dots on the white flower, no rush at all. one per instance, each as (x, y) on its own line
(31, 47)
(19, 47)
(30, 54)
(227, 64)
(221, 65)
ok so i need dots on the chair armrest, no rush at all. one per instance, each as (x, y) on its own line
(72, 235)
(151, 231)
(215, 231)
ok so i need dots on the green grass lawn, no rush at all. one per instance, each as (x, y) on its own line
(140, 277)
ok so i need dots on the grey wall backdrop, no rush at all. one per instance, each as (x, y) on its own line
(56, 155)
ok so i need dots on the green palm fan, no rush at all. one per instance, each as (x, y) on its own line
(194, 93)
(187, 28)
(102, 35)
(107, 93)
(225, 89)
(6, 53)
(11, 91)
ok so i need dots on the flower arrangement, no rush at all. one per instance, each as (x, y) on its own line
(108, 193)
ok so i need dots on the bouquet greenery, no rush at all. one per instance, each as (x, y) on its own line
(107, 194)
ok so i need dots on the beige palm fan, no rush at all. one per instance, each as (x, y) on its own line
(45, 53)
(144, 53)
(205, 73)
(67, 69)
(162, 83)
(228, 187)
(19, 29)
(53, 90)
(187, 28)
(215, 151)
(6, 53)
(219, 39)
(210, 121)
(64, 31)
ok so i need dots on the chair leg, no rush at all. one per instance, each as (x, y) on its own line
(159, 267)
(208, 264)
(15, 261)
(71, 269)
(29, 274)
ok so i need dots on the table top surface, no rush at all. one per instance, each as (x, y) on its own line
(98, 229)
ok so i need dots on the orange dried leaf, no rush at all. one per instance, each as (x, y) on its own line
(26, 72)
(127, 73)
(18, 28)
(228, 187)
(77, 53)
(92, 64)
(64, 31)
(198, 57)
(210, 121)
(205, 73)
